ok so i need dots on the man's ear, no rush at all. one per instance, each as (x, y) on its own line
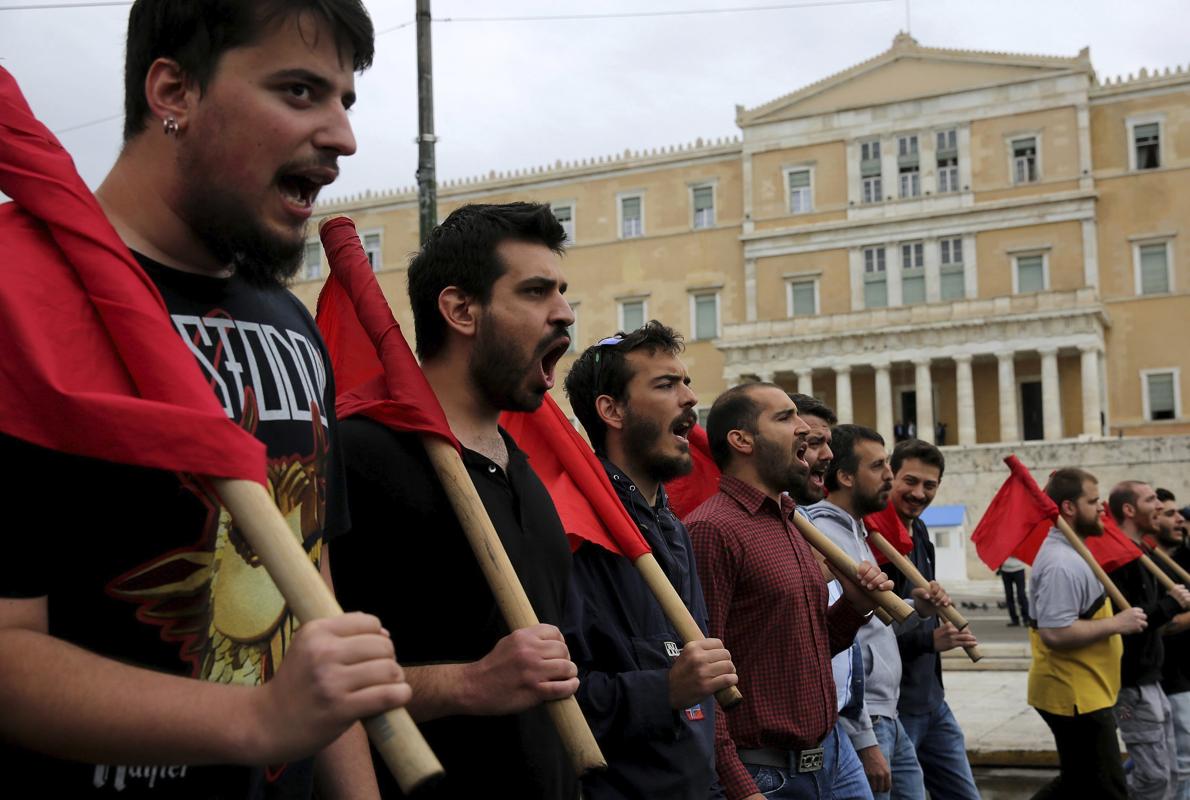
(169, 93)
(846, 480)
(741, 441)
(459, 309)
(611, 412)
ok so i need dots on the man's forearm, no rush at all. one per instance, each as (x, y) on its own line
(70, 703)
(1080, 633)
(439, 690)
(343, 770)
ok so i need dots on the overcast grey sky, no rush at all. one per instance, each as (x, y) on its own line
(516, 94)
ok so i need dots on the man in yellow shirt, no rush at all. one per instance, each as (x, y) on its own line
(1076, 644)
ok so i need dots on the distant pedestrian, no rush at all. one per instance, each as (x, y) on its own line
(1012, 572)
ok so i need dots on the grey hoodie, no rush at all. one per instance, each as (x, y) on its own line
(878, 642)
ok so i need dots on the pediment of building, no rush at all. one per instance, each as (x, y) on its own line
(908, 71)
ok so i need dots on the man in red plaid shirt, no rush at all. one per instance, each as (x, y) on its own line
(767, 601)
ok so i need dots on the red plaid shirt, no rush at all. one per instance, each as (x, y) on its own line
(767, 601)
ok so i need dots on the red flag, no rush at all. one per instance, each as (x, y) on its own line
(1113, 549)
(688, 492)
(376, 375)
(1017, 520)
(582, 493)
(92, 364)
(887, 522)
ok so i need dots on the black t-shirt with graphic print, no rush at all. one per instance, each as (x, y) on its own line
(140, 565)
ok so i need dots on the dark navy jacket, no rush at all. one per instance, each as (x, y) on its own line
(921, 664)
(624, 646)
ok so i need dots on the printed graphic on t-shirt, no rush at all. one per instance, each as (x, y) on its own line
(215, 600)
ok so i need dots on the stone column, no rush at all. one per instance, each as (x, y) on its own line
(884, 403)
(765, 375)
(1090, 381)
(1010, 429)
(1051, 400)
(843, 408)
(805, 382)
(965, 398)
(925, 401)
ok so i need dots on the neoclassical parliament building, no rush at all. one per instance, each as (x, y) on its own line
(988, 250)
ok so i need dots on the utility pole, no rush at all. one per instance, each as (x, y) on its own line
(427, 184)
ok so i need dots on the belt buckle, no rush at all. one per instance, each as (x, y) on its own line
(810, 760)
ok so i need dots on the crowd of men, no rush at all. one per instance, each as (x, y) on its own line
(144, 651)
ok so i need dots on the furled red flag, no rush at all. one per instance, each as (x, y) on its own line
(1113, 549)
(887, 522)
(586, 502)
(688, 492)
(1017, 520)
(92, 364)
(376, 375)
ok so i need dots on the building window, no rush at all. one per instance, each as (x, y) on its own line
(704, 310)
(632, 217)
(313, 261)
(908, 167)
(371, 243)
(953, 284)
(913, 273)
(1030, 274)
(1152, 268)
(875, 278)
(947, 153)
(1146, 143)
(870, 171)
(1161, 392)
(703, 200)
(1024, 160)
(564, 213)
(801, 198)
(572, 330)
(803, 298)
(632, 314)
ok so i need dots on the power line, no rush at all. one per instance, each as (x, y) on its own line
(61, 131)
(681, 13)
(40, 6)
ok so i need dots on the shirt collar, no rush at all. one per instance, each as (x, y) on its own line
(751, 498)
(624, 485)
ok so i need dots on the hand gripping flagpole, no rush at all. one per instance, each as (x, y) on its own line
(393, 733)
(907, 568)
(346, 254)
(894, 606)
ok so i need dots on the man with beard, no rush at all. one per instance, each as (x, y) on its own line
(1075, 639)
(917, 468)
(1175, 670)
(139, 628)
(1142, 710)
(848, 666)
(647, 698)
(859, 481)
(767, 601)
(491, 320)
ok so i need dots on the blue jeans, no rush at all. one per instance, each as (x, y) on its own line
(898, 750)
(942, 753)
(841, 777)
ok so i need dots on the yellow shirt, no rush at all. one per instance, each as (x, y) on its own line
(1079, 681)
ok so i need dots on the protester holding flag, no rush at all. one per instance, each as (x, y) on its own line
(847, 666)
(1142, 710)
(138, 627)
(1075, 673)
(767, 601)
(859, 481)
(491, 321)
(647, 698)
(917, 469)
(1175, 670)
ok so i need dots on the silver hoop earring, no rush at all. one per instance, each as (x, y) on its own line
(170, 126)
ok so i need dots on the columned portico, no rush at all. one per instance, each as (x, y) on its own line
(954, 364)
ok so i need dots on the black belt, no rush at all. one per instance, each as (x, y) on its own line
(793, 761)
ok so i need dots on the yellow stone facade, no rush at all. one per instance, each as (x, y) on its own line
(1068, 198)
